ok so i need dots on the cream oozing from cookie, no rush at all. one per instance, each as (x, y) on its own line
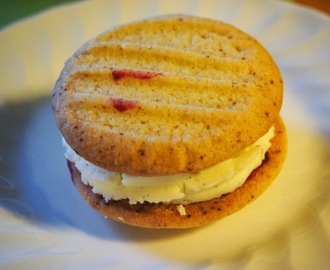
(206, 184)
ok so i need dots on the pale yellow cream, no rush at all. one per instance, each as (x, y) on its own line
(207, 184)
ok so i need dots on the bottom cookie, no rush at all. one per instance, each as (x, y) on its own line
(161, 215)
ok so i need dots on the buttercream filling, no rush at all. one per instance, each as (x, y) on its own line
(206, 184)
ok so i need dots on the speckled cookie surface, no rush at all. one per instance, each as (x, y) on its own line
(158, 215)
(167, 95)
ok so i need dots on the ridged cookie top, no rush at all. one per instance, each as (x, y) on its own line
(167, 95)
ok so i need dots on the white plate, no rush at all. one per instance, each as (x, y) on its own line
(45, 224)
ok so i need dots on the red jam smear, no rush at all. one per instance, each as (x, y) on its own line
(122, 105)
(71, 167)
(136, 74)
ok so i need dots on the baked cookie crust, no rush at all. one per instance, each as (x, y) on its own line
(168, 95)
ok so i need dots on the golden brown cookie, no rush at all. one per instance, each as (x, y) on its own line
(159, 215)
(167, 95)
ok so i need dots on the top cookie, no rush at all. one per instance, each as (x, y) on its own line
(167, 95)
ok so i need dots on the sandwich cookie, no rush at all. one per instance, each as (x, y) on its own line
(171, 122)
